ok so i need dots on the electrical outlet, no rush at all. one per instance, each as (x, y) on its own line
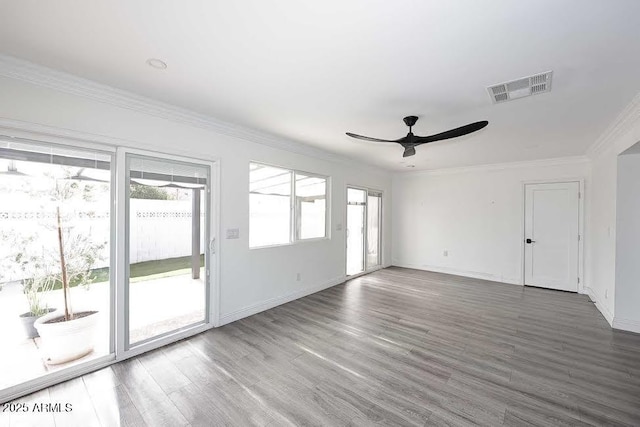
(445, 253)
(298, 277)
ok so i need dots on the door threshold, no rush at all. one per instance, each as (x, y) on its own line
(551, 289)
(353, 276)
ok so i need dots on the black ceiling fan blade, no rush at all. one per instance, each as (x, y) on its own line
(409, 151)
(368, 138)
(453, 133)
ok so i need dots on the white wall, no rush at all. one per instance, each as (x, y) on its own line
(627, 297)
(476, 214)
(601, 234)
(251, 280)
(603, 229)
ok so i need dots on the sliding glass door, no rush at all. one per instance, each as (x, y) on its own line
(167, 231)
(55, 260)
(364, 212)
(374, 214)
(70, 217)
(356, 210)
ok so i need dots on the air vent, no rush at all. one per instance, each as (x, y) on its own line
(501, 97)
(497, 90)
(526, 86)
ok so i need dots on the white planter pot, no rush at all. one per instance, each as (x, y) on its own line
(66, 341)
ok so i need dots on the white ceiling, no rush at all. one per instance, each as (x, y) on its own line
(312, 70)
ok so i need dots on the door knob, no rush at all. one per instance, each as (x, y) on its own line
(530, 241)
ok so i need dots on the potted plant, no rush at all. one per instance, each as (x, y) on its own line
(36, 279)
(36, 283)
(70, 334)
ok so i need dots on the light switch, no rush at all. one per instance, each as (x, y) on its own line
(338, 227)
(233, 233)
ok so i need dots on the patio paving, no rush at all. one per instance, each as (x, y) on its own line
(157, 306)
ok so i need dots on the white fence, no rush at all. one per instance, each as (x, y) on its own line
(159, 229)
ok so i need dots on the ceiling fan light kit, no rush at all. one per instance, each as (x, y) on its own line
(411, 141)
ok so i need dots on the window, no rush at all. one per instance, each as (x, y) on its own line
(311, 206)
(270, 206)
(285, 206)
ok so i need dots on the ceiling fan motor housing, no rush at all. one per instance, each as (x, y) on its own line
(410, 120)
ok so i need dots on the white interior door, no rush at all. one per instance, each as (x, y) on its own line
(552, 235)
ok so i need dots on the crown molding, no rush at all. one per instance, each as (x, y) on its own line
(29, 72)
(556, 161)
(629, 116)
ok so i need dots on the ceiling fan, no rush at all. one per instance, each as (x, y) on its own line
(411, 141)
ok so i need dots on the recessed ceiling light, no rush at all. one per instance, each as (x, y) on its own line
(157, 63)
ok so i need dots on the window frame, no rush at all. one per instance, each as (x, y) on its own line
(295, 213)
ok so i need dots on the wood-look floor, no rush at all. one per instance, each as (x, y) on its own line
(396, 347)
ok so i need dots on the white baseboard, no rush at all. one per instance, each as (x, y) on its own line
(626, 325)
(274, 302)
(458, 272)
(600, 306)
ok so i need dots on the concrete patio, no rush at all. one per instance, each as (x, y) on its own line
(157, 306)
